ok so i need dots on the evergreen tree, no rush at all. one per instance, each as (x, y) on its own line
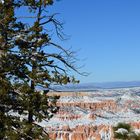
(124, 131)
(26, 62)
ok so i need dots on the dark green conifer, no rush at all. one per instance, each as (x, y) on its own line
(124, 131)
(26, 62)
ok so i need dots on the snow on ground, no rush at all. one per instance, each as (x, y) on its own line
(122, 131)
(57, 123)
(107, 117)
(137, 131)
(75, 99)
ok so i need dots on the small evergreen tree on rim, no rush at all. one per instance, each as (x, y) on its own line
(124, 131)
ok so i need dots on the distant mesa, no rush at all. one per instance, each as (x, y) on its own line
(96, 86)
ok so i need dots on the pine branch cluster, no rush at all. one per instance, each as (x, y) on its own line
(25, 64)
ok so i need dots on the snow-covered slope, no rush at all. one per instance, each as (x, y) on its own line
(101, 109)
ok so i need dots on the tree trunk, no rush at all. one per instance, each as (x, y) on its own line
(30, 115)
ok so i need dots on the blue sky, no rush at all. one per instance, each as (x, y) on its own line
(106, 35)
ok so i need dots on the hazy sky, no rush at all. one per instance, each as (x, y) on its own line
(106, 36)
(107, 33)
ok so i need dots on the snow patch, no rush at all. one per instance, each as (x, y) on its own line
(122, 131)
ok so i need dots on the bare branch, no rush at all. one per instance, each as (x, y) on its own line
(66, 63)
(59, 47)
(50, 18)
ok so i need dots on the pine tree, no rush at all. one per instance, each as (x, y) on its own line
(25, 64)
(124, 131)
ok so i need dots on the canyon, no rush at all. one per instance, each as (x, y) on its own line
(91, 115)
